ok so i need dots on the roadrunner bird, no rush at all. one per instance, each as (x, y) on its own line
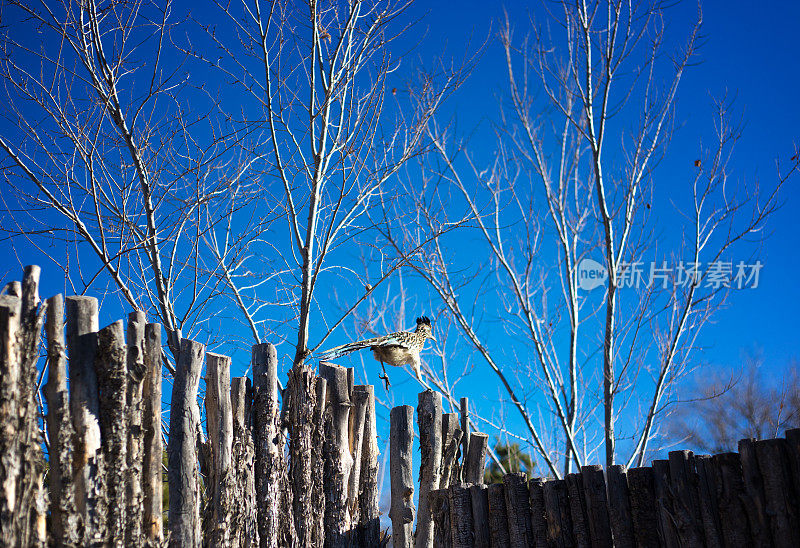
(396, 349)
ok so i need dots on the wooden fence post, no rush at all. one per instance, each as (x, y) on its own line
(219, 423)
(82, 326)
(112, 385)
(686, 506)
(368, 501)
(440, 509)
(302, 405)
(358, 419)
(577, 510)
(64, 520)
(773, 461)
(557, 512)
(461, 521)
(451, 443)
(754, 489)
(153, 450)
(476, 457)
(429, 419)
(730, 499)
(538, 515)
(133, 482)
(518, 508)
(594, 489)
(465, 433)
(268, 439)
(338, 459)
(663, 497)
(619, 507)
(707, 493)
(244, 523)
(401, 438)
(480, 515)
(318, 459)
(498, 516)
(183, 472)
(643, 506)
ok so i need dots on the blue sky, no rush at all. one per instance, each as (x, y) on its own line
(747, 53)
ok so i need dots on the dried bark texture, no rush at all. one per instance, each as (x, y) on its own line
(153, 446)
(754, 489)
(65, 522)
(461, 523)
(498, 517)
(557, 514)
(730, 499)
(219, 417)
(707, 492)
(577, 511)
(619, 507)
(594, 489)
(369, 523)
(401, 438)
(110, 367)
(429, 418)
(318, 460)
(338, 459)
(480, 515)
(518, 508)
(440, 509)
(538, 516)
(302, 403)
(270, 466)
(476, 457)
(21, 496)
(450, 470)
(643, 506)
(774, 464)
(686, 509)
(244, 520)
(449, 426)
(82, 326)
(183, 472)
(136, 372)
(358, 418)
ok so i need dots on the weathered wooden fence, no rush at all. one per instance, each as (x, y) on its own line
(300, 468)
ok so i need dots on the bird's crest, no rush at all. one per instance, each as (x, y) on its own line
(424, 320)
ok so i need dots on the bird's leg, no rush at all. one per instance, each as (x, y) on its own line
(384, 377)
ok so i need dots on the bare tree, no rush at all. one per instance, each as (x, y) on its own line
(723, 409)
(591, 99)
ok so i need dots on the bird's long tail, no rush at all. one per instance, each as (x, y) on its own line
(343, 350)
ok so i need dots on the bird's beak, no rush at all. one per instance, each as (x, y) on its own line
(431, 337)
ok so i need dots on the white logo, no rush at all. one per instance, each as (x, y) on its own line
(591, 274)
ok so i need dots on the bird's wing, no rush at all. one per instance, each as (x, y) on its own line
(401, 339)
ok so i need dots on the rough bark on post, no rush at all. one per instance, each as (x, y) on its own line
(302, 404)
(64, 519)
(338, 459)
(538, 516)
(449, 426)
(518, 508)
(358, 418)
(594, 489)
(707, 493)
(465, 433)
(136, 372)
(480, 515)
(268, 439)
(461, 522)
(112, 388)
(219, 417)
(450, 473)
(318, 460)
(476, 458)
(730, 499)
(401, 438)
(498, 516)
(440, 509)
(557, 513)
(369, 523)
(82, 326)
(643, 506)
(780, 504)
(183, 472)
(153, 446)
(577, 511)
(687, 511)
(244, 522)
(619, 507)
(663, 498)
(429, 419)
(754, 488)
(10, 320)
